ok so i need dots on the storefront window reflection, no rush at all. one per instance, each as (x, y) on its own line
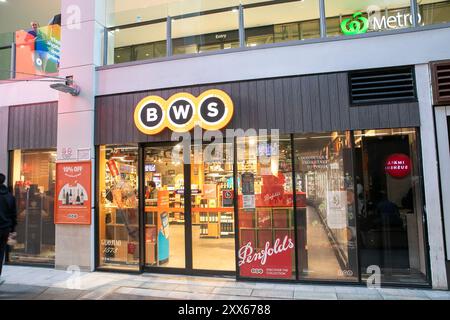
(359, 17)
(212, 185)
(164, 207)
(118, 209)
(326, 218)
(33, 181)
(390, 211)
(266, 208)
(434, 11)
(282, 22)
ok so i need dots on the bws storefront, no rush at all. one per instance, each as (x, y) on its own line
(325, 184)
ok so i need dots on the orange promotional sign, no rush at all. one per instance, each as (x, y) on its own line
(163, 199)
(73, 193)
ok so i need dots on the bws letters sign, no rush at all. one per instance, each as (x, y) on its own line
(212, 110)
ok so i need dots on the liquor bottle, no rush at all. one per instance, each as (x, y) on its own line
(70, 197)
(82, 198)
(66, 197)
(77, 201)
(113, 168)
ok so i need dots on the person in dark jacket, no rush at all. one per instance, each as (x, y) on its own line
(8, 219)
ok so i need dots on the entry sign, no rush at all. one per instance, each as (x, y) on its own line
(212, 110)
(73, 193)
(398, 165)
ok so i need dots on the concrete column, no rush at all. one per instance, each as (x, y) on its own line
(82, 29)
(431, 179)
(441, 114)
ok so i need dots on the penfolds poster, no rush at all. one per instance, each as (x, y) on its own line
(73, 193)
(273, 260)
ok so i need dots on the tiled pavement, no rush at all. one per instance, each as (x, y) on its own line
(48, 284)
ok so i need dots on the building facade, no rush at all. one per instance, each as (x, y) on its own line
(283, 140)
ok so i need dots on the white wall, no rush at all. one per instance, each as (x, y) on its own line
(26, 92)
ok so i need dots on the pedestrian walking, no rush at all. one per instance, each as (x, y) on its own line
(8, 220)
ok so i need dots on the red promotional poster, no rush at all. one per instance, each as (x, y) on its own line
(274, 260)
(73, 193)
(398, 165)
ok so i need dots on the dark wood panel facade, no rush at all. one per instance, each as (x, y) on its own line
(33, 126)
(300, 104)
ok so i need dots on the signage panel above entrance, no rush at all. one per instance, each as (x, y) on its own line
(212, 110)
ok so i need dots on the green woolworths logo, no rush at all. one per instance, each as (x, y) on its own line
(355, 25)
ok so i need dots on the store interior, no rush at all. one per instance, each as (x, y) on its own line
(212, 211)
(391, 219)
(33, 181)
(331, 171)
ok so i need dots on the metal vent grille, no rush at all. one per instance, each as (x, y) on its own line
(441, 83)
(378, 86)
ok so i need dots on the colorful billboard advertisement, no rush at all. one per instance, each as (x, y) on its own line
(38, 51)
(73, 193)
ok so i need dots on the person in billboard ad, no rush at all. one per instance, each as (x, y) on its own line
(38, 50)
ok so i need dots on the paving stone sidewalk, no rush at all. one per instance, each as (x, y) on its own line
(26, 283)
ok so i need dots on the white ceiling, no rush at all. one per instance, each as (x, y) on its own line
(17, 14)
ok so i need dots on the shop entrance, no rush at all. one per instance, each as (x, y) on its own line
(188, 210)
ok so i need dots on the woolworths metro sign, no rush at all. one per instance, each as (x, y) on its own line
(358, 23)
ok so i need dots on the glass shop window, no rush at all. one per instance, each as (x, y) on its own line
(326, 224)
(389, 196)
(265, 208)
(118, 207)
(359, 17)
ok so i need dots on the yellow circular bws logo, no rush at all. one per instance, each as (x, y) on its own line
(212, 110)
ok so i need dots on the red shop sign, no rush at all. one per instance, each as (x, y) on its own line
(274, 261)
(398, 165)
